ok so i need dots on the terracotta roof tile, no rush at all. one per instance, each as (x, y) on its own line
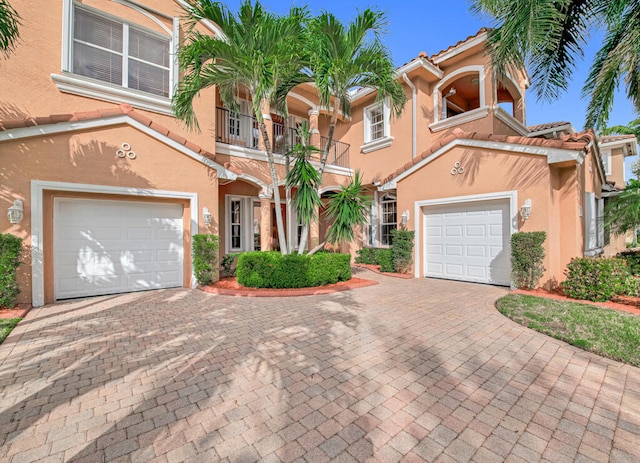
(477, 34)
(546, 126)
(123, 109)
(574, 142)
(613, 138)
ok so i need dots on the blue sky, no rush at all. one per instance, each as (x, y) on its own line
(431, 26)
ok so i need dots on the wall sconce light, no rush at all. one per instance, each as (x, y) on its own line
(525, 210)
(15, 213)
(404, 218)
(206, 216)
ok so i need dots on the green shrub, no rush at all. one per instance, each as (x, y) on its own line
(631, 286)
(527, 256)
(595, 279)
(205, 258)
(10, 253)
(632, 258)
(228, 265)
(376, 256)
(273, 270)
(402, 250)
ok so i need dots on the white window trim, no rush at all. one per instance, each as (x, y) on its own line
(606, 154)
(69, 82)
(593, 235)
(386, 198)
(386, 140)
(37, 217)
(246, 222)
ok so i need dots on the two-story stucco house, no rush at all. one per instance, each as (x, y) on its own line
(112, 186)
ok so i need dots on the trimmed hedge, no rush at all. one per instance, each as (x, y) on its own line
(205, 258)
(595, 278)
(273, 270)
(10, 252)
(402, 250)
(527, 256)
(632, 258)
(376, 256)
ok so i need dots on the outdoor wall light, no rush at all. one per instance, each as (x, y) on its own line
(206, 216)
(404, 218)
(525, 210)
(15, 213)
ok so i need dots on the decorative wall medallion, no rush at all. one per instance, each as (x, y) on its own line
(125, 152)
(457, 169)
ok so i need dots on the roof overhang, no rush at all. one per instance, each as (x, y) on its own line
(554, 156)
(88, 124)
(629, 146)
(560, 128)
(461, 48)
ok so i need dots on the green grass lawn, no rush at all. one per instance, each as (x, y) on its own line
(606, 332)
(6, 325)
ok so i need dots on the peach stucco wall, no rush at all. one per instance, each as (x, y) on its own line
(553, 193)
(90, 158)
(39, 54)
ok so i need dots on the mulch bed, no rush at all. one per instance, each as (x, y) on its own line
(376, 269)
(624, 303)
(19, 311)
(231, 287)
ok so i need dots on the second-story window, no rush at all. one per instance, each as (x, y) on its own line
(376, 122)
(108, 49)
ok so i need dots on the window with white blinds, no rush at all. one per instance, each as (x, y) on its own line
(120, 53)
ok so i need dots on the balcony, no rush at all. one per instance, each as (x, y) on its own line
(242, 130)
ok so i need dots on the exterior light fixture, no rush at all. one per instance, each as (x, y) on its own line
(525, 210)
(404, 218)
(15, 213)
(206, 216)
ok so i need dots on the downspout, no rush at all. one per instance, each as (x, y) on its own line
(414, 109)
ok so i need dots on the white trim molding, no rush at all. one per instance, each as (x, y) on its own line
(437, 94)
(375, 145)
(553, 155)
(463, 118)
(510, 121)
(62, 127)
(37, 235)
(456, 50)
(418, 213)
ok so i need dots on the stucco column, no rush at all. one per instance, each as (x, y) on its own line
(313, 127)
(266, 116)
(265, 223)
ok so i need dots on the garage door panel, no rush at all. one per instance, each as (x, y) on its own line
(475, 238)
(105, 247)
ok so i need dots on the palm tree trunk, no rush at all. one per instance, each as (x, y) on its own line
(332, 128)
(303, 239)
(290, 226)
(276, 190)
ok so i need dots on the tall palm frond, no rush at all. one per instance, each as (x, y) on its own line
(9, 22)
(632, 128)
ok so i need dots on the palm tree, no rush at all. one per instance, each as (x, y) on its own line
(259, 52)
(348, 208)
(346, 57)
(622, 213)
(9, 22)
(549, 37)
(632, 128)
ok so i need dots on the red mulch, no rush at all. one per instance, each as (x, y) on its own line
(376, 269)
(622, 303)
(231, 287)
(18, 311)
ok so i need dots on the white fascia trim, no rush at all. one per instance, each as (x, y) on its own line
(459, 49)
(553, 155)
(208, 24)
(83, 86)
(378, 144)
(37, 189)
(463, 118)
(62, 127)
(622, 144)
(407, 68)
(257, 155)
(418, 213)
(511, 121)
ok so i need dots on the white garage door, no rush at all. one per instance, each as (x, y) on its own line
(468, 241)
(107, 247)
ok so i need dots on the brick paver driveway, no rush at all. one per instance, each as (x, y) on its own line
(411, 370)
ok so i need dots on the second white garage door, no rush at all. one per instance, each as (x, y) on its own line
(468, 241)
(106, 247)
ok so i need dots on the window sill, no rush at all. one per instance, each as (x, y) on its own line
(593, 252)
(463, 118)
(376, 144)
(83, 86)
